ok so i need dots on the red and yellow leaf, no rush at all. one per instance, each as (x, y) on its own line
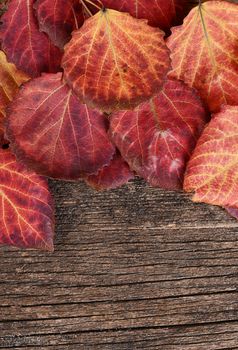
(51, 131)
(115, 61)
(160, 13)
(204, 52)
(26, 207)
(58, 18)
(212, 172)
(116, 174)
(10, 81)
(157, 138)
(29, 49)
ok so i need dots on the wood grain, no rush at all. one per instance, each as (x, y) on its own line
(134, 268)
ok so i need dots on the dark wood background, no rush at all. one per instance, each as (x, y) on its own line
(134, 268)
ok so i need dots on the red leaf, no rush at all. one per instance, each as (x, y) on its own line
(115, 61)
(29, 49)
(212, 170)
(160, 13)
(58, 19)
(116, 174)
(157, 138)
(54, 133)
(26, 208)
(204, 52)
(233, 212)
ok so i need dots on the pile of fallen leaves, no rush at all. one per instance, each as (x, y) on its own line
(101, 91)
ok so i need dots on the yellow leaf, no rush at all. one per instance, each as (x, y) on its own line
(10, 81)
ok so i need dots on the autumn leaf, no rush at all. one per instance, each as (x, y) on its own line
(25, 46)
(213, 169)
(232, 212)
(10, 80)
(58, 18)
(204, 52)
(157, 138)
(160, 13)
(115, 61)
(51, 131)
(26, 208)
(116, 174)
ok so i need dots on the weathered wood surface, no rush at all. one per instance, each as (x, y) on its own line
(134, 268)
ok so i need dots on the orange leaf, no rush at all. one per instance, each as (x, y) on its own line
(204, 52)
(115, 61)
(26, 207)
(212, 172)
(10, 81)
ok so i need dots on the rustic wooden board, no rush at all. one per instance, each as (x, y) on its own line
(134, 268)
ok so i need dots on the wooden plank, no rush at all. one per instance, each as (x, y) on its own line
(133, 268)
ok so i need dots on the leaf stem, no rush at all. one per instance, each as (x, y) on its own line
(93, 4)
(100, 2)
(86, 8)
(75, 18)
